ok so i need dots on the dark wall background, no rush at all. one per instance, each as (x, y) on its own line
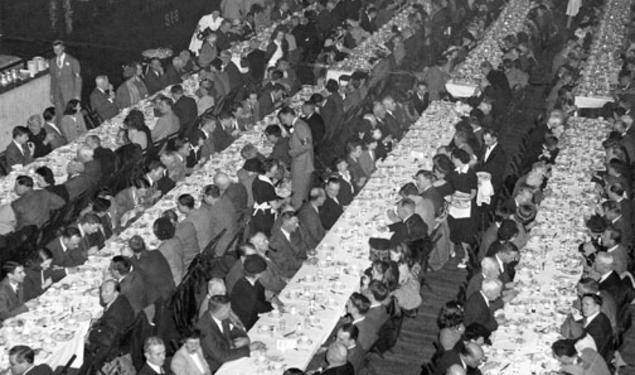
(102, 34)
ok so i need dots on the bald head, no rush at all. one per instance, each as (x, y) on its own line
(455, 370)
(84, 153)
(603, 262)
(222, 181)
(490, 268)
(336, 354)
(472, 355)
(102, 82)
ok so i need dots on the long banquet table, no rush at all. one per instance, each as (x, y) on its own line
(550, 265)
(315, 298)
(57, 321)
(464, 81)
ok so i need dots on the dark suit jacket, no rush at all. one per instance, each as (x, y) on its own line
(613, 285)
(68, 258)
(477, 311)
(367, 333)
(14, 156)
(248, 301)
(106, 159)
(332, 113)
(318, 129)
(134, 288)
(156, 272)
(235, 78)
(155, 82)
(224, 216)
(602, 333)
(494, 165)
(34, 208)
(330, 212)
(40, 370)
(311, 224)
(58, 140)
(435, 197)
(446, 360)
(414, 228)
(237, 195)
(280, 151)
(174, 76)
(346, 369)
(186, 233)
(78, 185)
(11, 304)
(33, 281)
(356, 358)
(186, 110)
(101, 103)
(256, 61)
(287, 255)
(115, 320)
(147, 370)
(266, 104)
(217, 346)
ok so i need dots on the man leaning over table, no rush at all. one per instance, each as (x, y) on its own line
(11, 290)
(21, 358)
(221, 340)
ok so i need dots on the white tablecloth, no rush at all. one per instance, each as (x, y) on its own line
(592, 101)
(341, 256)
(550, 265)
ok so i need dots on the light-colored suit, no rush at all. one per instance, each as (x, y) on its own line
(66, 82)
(183, 363)
(301, 152)
(166, 126)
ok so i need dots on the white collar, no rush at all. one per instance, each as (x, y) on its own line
(605, 276)
(463, 169)
(613, 248)
(218, 322)
(64, 248)
(54, 127)
(286, 234)
(616, 219)
(588, 320)
(20, 147)
(266, 179)
(500, 263)
(485, 298)
(376, 304)
(156, 368)
(358, 320)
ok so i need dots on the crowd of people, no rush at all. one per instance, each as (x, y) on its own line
(253, 238)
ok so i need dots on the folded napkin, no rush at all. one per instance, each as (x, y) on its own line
(485, 189)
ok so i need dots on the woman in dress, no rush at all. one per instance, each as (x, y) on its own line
(205, 97)
(451, 328)
(462, 187)
(73, 124)
(138, 131)
(266, 200)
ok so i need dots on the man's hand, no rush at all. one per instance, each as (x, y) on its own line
(241, 341)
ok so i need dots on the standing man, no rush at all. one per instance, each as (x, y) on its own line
(301, 152)
(66, 81)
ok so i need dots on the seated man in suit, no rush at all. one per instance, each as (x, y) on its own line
(21, 359)
(356, 307)
(104, 156)
(407, 226)
(477, 306)
(220, 339)
(102, 99)
(131, 282)
(309, 216)
(34, 207)
(19, 151)
(57, 137)
(70, 248)
(41, 275)
(331, 210)
(154, 351)
(185, 109)
(248, 295)
(168, 123)
(224, 217)
(336, 357)
(270, 100)
(186, 234)
(234, 191)
(288, 248)
(377, 293)
(189, 359)
(154, 268)
(347, 335)
(585, 361)
(118, 316)
(468, 358)
(597, 325)
(11, 290)
(604, 271)
(200, 218)
(272, 279)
